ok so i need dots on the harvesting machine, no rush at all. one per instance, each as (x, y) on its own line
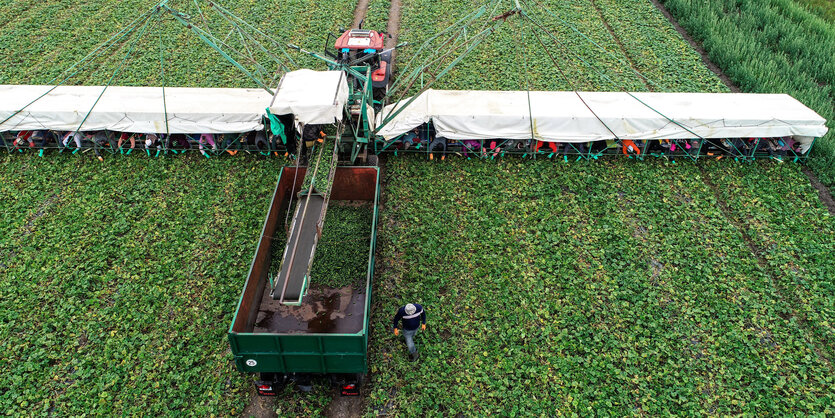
(334, 122)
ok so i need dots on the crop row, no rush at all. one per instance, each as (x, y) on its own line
(793, 233)
(824, 7)
(613, 286)
(119, 278)
(116, 282)
(773, 46)
(616, 287)
(574, 37)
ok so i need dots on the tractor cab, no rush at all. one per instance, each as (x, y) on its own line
(366, 47)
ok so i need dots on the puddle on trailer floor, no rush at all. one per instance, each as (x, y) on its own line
(325, 311)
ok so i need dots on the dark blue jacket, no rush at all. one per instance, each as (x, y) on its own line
(410, 322)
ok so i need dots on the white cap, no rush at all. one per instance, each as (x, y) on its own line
(410, 309)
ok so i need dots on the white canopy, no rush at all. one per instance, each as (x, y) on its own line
(133, 109)
(563, 117)
(315, 97)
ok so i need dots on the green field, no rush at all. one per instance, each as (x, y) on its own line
(613, 286)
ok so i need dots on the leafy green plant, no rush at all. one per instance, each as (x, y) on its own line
(342, 254)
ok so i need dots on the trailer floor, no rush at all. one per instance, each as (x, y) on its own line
(323, 311)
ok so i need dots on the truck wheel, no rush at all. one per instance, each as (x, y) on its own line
(304, 383)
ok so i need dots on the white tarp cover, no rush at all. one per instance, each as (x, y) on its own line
(562, 117)
(133, 109)
(315, 97)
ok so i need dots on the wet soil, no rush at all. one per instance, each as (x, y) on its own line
(260, 406)
(345, 406)
(325, 311)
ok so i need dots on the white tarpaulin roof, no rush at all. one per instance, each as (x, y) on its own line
(563, 117)
(133, 109)
(315, 97)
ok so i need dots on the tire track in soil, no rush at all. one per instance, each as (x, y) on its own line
(824, 352)
(620, 45)
(393, 30)
(696, 46)
(359, 13)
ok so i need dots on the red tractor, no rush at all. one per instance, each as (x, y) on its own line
(366, 47)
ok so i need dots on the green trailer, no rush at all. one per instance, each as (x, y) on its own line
(327, 332)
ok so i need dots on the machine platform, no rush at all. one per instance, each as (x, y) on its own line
(292, 280)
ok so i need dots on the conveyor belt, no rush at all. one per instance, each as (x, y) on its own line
(303, 231)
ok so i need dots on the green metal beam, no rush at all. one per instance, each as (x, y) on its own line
(206, 37)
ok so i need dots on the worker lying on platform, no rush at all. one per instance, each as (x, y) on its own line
(103, 140)
(205, 141)
(513, 145)
(24, 137)
(470, 145)
(775, 148)
(576, 148)
(75, 137)
(152, 141)
(127, 137)
(42, 139)
(412, 316)
(437, 143)
(553, 146)
(178, 141)
(630, 147)
(261, 143)
(411, 138)
(231, 143)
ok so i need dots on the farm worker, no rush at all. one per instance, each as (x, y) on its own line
(207, 140)
(579, 147)
(231, 143)
(129, 138)
(76, 137)
(438, 142)
(24, 137)
(412, 315)
(178, 140)
(693, 143)
(39, 138)
(630, 147)
(551, 145)
(471, 144)
(261, 143)
(152, 141)
(101, 139)
(410, 138)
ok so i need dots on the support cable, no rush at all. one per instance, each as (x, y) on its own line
(162, 75)
(600, 47)
(569, 82)
(556, 40)
(118, 69)
(280, 46)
